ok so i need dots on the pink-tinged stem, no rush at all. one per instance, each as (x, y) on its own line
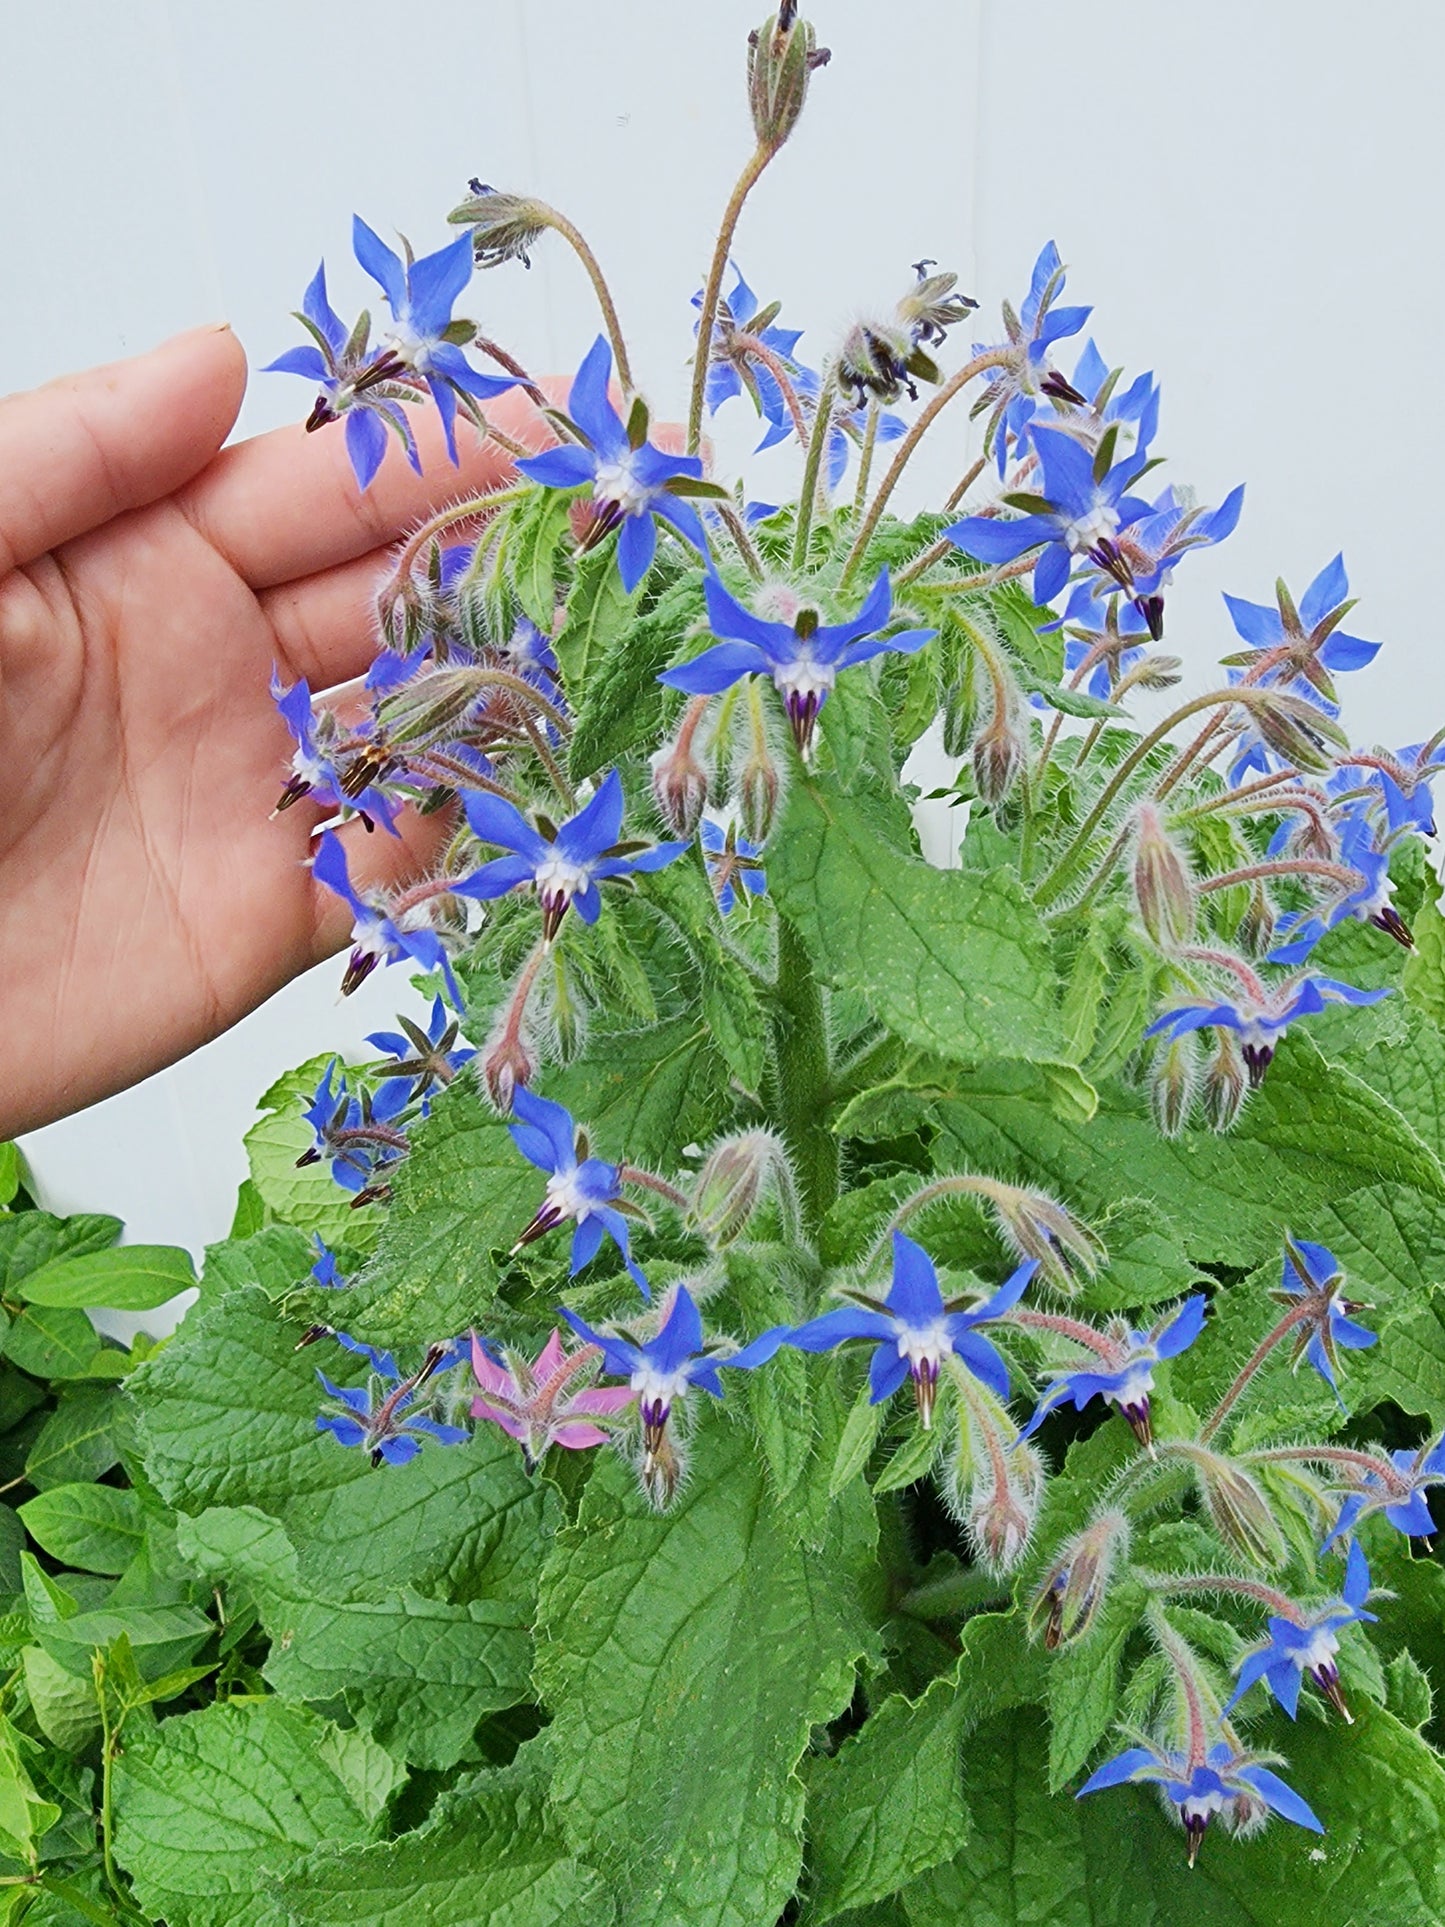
(1251, 1365)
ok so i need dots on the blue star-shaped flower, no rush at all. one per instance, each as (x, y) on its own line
(630, 483)
(1124, 1374)
(1368, 902)
(1151, 548)
(1077, 512)
(357, 1134)
(423, 1057)
(1308, 1644)
(316, 769)
(358, 384)
(564, 867)
(421, 295)
(665, 1368)
(1312, 1285)
(1263, 1021)
(376, 936)
(326, 1271)
(1397, 1490)
(1299, 649)
(1227, 1781)
(1394, 789)
(581, 1189)
(380, 1418)
(1012, 394)
(803, 657)
(915, 1328)
(732, 370)
(731, 861)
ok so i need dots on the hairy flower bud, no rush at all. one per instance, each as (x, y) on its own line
(1172, 1080)
(1162, 888)
(933, 305)
(1003, 1506)
(732, 1183)
(1154, 673)
(1039, 1227)
(505, 227)
(1068, 1597)
(679, 784)
(1225, 1083)
(1256, 926)
(997, 758)
(880, 361)
(1296, 729)
(783, 56)
(1238, 1508)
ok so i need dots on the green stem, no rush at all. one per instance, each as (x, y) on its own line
(1054, 882)
(707, 314)
(817, 441)
(865, 459)
(574, 238)
(961, 1592)
(800, 1045)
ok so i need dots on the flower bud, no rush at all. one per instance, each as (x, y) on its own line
(783, 56)
(1162, 888)
(661, 1467)
(506, 1064)
(1256, 926)
(1003, 1506)
(732, 1183)
(997, 758)
(1296, 730)
(1068, 1598)
(1156, 672)
(880, 361)
(1239, 1511)
(505, 227)
(932, 305)
(1038, 1226)
(1225, 1084)
(1172, 1078)
(679, 784)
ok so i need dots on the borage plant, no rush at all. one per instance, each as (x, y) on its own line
(822, 1360)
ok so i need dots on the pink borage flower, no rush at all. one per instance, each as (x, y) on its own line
(549, 1402)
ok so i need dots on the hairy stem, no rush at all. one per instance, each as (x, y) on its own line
(712, 288)
(807, 499)
(574, 238)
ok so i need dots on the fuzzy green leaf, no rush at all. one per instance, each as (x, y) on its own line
(686, 1659)
(95, 1527)
(949, 960)
(646, 1092)
(535, 531)
(214, 1807)
(623, 702)
(599, 609)
(491, 1855)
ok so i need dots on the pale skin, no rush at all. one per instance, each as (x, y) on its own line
(148, 582)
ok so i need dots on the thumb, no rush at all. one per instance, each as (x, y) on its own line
(87, 447)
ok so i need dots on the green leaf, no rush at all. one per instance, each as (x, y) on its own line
(860, 1435)
(10, 1169)
(686, 1659)
(535, 531)
(623, 702)
(80, 1441)
(730, 1005)
(950, 960)
(161, 1637)
(462, 1198)
(491, 1855)
(25, 1817)
(889, 1804)
(130, 1278)
(1312, 1135)
(52, 1342)
(308, 1197)
(1408, 1364)
(64, 1705)
(213, 1807)
(228, 1411)
(648, 1092)
(1084, 1684)
(31, 1239)
(95, 1527)
(277, 1257)
(598, 610)
(1116, 1861)
(1423, 981)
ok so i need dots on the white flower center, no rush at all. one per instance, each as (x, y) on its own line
(658, 1388)
(1320, 1651)
(930, 1343)
(557, 878)
(369, 939)
(408, 346)
(1091, 529)
(805, 678)
(1200, 1806)
(1136, 1386)
(562, 1192)
(615, 482)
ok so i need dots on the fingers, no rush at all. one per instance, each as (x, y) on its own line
(286, 505)
(87, 447)
(325, 625)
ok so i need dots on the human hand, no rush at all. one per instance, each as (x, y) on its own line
(148, 582)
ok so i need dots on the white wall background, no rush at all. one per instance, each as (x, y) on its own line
(1248, 194)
